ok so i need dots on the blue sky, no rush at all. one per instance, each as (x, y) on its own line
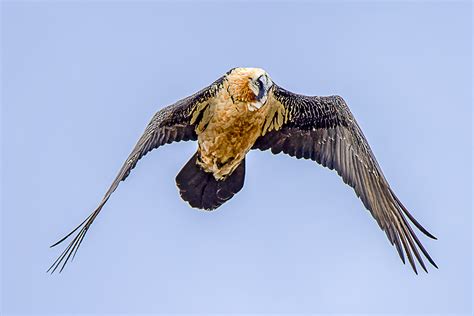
(80, 80)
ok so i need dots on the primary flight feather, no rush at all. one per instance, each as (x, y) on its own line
(245, 110)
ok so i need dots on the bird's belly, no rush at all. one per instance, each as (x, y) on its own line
(227, 138)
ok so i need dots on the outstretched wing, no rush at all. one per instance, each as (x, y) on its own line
(173, 123)
(323, 129)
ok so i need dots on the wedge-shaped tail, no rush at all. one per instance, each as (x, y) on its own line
(201, 190)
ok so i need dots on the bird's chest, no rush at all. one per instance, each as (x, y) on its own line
(228, 137)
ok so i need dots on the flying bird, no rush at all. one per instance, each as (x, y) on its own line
(245, 110)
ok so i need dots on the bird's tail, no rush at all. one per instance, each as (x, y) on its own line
(201, 190)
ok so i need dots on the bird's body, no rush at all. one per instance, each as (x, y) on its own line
(233, 128)
(228, 136)
(245, 110)
(226, 140)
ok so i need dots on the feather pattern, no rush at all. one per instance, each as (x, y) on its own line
(174, 123)
(323, 129)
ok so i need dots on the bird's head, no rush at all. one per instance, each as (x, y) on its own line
(250, 85)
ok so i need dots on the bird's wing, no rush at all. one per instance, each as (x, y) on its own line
(174, 123)
(323, 129)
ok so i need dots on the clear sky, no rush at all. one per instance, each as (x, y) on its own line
(80, 81)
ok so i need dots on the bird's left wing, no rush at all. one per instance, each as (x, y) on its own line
(174, 123)
(324, 130)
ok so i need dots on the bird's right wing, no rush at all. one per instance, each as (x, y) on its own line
(174, 123)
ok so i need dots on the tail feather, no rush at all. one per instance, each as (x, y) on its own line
(201, 190)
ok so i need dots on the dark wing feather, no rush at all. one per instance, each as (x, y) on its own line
(323, 129)
(173, 123)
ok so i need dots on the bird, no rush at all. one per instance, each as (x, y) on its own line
(245, 110)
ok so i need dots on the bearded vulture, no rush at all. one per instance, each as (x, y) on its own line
(245, 110)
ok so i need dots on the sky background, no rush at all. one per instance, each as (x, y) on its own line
(80, 80)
